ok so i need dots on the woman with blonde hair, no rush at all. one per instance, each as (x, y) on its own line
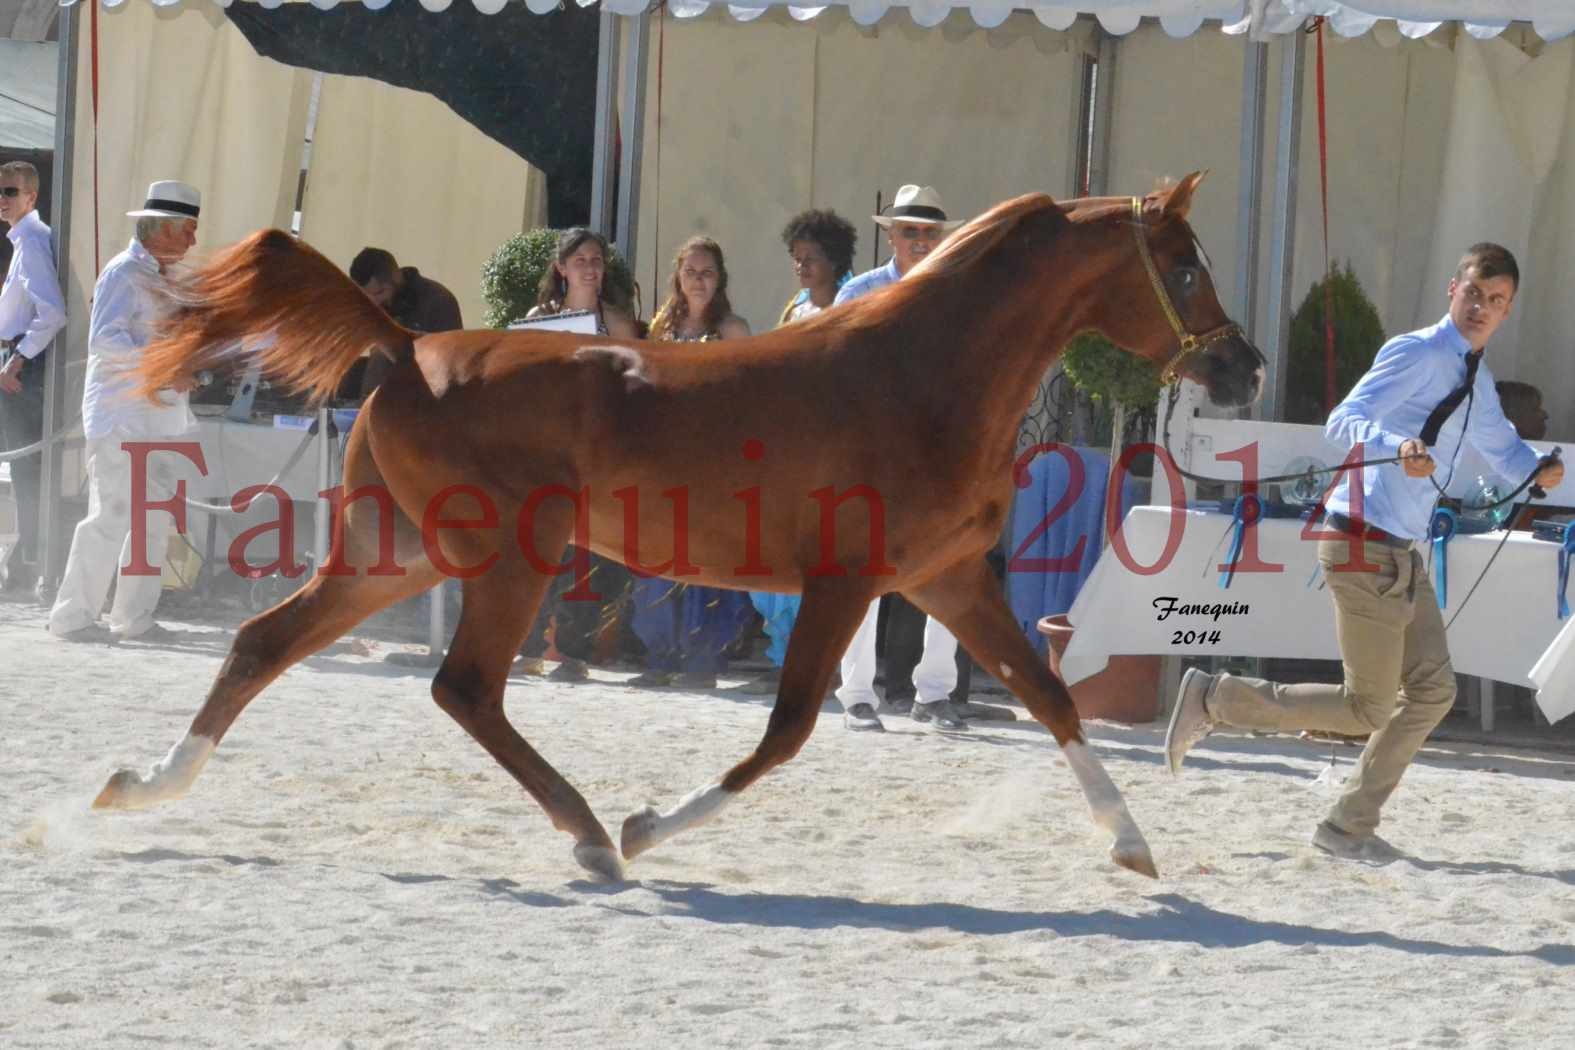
(697, 308)
(687, 629)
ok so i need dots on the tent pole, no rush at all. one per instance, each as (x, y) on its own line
(1249, 201)
(54, 542)
(633, 109)
(1103, 116)
(604, 149)
(1274, 339)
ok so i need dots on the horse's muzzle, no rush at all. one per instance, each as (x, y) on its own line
(1232, 371)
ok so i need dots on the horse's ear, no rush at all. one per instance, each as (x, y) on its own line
(1179, 200)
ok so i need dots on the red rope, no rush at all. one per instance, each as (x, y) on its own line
(93, 34)
(1328, 273)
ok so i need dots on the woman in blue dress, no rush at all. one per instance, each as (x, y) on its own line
(686, 628)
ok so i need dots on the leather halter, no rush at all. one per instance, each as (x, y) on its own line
(1190, 344)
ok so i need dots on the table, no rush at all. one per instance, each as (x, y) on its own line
(1500, 634)
(240, 454)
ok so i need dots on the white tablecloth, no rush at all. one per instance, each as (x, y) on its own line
(237, 455)
(242, 454)
(1505, 627)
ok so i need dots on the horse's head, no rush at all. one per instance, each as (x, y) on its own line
(1170, 314)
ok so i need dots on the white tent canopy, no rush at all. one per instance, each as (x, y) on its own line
(27, 94)
(1551, 19)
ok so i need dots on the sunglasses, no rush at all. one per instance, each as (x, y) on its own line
(10, 191)
(920, 233)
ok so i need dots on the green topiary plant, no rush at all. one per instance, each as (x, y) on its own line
(1120, 382)
(1109, 374)
(511, 278)
(1358, 333)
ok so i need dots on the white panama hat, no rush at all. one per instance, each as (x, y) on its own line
(169, 200)
(920, 205)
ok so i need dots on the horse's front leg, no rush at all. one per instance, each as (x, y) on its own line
(968, 600)
(826, 621)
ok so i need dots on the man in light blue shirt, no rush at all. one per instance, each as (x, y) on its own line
(1425, 397)
(32, 310)
(921, 654)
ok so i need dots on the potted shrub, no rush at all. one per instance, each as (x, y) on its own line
(1358, 333)
(1127, 690)
(511, 278)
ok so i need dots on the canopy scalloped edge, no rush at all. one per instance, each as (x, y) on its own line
(1550, 19)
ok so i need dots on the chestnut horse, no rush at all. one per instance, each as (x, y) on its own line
(863, 451)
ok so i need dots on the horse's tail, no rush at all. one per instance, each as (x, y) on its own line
(276, 302)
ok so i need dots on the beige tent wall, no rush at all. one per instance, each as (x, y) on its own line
(1178, 107)
(400, 170)
(1432, 145)
(1387, 111)
(1176, 110)
(1508, 174)
(760, 120)
(1547, 308)
(181, 96)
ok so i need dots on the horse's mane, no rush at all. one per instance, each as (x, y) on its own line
(960, 253)
(969, 247)
(974, 240)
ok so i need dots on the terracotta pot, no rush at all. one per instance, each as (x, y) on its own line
(1127, 690)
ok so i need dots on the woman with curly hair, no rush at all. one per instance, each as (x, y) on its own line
(820, 243)
(687, 629)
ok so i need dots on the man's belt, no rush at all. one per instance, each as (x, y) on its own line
(1362, 530)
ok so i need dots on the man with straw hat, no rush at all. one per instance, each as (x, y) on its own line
(924, 666)
(125, 310)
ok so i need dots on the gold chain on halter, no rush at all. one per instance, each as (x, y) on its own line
(1190, 344)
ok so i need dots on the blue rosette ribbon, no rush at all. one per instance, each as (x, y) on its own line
(1441, 530)
(1565, 551)
(1247, 512)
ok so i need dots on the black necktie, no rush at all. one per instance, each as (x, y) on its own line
(1435, 422)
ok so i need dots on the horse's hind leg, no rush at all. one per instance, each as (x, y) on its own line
(499, 608)
(825, 625)
(267, 644)
(968, 601)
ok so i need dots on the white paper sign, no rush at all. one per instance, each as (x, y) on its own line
(1554, 675)
(581, 321)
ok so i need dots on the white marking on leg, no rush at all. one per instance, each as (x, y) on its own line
(649, 828)
(1006, 672)
(170, 778)
(1109, 809)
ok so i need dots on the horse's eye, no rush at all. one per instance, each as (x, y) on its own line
(1186, 278)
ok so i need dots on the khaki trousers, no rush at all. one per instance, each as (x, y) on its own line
(1398, 685)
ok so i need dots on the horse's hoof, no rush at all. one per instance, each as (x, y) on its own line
(600, 861)
(114, 795)
(1135, 858)
(637, 831)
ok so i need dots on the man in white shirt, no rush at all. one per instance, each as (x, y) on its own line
(32, 310)
(125, 310)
